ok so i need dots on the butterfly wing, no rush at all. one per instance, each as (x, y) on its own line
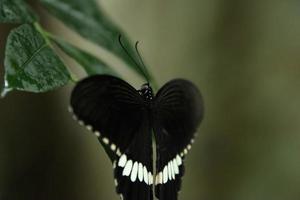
(115, 112)
(178, 110)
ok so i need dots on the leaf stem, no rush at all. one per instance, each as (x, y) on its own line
(39, 28)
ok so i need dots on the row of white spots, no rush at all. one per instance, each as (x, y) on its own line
(169, 171)
(187, 148)
(105, 140)
(172, 168)
(135, 170)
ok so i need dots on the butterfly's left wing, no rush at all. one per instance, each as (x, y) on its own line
(178, 110)
(115, 112)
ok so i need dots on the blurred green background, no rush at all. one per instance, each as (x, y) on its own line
(243, 55)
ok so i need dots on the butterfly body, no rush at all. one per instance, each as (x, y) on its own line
(124, 120)
(146, 92)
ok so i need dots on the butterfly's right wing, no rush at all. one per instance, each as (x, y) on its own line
(178, 111)
(115, 112)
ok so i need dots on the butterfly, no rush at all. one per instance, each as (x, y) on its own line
(146, 136)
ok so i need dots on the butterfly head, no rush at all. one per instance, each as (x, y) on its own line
(146, 92)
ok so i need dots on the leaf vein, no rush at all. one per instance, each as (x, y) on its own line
(33, 55)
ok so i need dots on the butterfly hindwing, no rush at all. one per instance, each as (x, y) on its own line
(177, 112)
(115, 112)
(137, 184)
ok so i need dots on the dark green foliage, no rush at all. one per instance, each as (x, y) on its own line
(90, 63)
(30, 62)
(89, 21)
(15, 11)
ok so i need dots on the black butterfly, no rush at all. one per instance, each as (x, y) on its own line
(128, 121)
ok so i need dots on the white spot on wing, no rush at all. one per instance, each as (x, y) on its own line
(169, 171)
(172, 170)
(134, 172)
(179, 161)
(97, 133)
(105, 140)
(165, 174)
(118, 152)
(122, 160)
(159, 178)
(175, 166)
(150, 178)
(185, 151)
(89, 127)
(145, 175)
(113, 147)
(189, 147)
(127, 168)
(140, 172)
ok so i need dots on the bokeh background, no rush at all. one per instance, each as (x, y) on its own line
(243, 55)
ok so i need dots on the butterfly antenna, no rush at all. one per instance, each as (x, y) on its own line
(141, 60)
(131, 58)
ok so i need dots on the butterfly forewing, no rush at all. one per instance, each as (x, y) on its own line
(116, 113)
(177, 112)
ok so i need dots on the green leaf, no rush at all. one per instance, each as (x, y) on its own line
(91, 64)
(16, 11)
(31, 64)
(89, 21)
